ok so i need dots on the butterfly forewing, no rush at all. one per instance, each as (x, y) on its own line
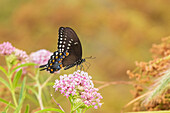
(73, 46)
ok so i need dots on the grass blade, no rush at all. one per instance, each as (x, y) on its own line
(32, 89)
(6, 108)
(22, 65)
(8, 103)
(16, 78)
(22, 90)
(3, 70)
(159, 87)
(27, 108)
(50, 109)
(5, 83)
(150, 112)
(21, 97)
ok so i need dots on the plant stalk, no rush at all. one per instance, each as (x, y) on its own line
(39, 91)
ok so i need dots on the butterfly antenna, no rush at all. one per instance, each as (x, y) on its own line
(91, 57)
(88, 66)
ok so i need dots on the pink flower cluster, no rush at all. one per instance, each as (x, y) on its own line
(79, 84)
(40, 57)
(21, 55)
(6, 48)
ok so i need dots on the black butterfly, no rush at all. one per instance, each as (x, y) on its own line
(69, 52)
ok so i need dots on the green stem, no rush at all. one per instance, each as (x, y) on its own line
(12, 92)
(79, 110)
(39, 91)
(10, 82)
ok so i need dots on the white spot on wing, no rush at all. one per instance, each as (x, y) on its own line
(75, 43)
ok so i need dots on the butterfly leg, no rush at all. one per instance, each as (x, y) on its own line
(76, 67)
(81, 67)
(88, 66)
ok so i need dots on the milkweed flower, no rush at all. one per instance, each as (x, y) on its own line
(21, 55)
(80, 86)
(40, 57)
(6, 48)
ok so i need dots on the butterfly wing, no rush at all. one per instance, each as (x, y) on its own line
(69, 43)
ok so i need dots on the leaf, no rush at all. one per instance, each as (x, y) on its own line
(6, 108)
(5, 83)
(50, 109)
(6, 102)
(32, 89)
(87, 108)
(150, 112)
(21, 97)
(22, 65)
(16, 78)
(27, 108)
(3, 70)
(22, 90)
(77, 105)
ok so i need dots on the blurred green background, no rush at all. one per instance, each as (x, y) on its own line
(116, 32)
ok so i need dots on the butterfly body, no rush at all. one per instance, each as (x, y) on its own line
(69, 52)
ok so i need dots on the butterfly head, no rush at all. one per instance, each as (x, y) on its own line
(83, 60)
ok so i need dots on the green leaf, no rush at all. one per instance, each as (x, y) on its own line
(22, 65)
(3, 70)
(6, 108)
(32, 89)
(150, 112)
(76, 106)
(6, 102)
(50, 84)
(87, 108)
(5, 83)
(16, 78)
(21, 97)
(50, 109)
(22, 90)
(27, 108)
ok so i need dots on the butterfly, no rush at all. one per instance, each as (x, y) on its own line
(69, 53)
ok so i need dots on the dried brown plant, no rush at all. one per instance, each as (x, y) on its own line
(152, 80)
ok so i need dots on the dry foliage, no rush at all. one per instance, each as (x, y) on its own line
(153, 78)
